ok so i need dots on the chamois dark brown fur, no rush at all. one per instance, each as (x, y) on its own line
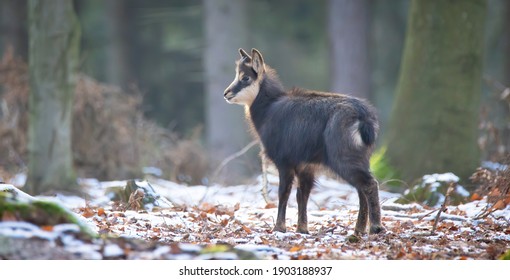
(300, 129)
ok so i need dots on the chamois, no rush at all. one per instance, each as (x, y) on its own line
(301, 129)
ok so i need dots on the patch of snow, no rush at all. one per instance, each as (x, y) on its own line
(112, 250)
(151, 170)
(24, 230)
(86, 251)
(462, 191)
(20, 195)
(473, 208)
(241, 240)
(71, 202)
(160, 251)
(260, 250)
(18, 180)
(109, 184)
(495, 166)
(66, 228)
(89, 181)
(444, 177)
(283, 235)
(20, 229)
(218, 256)
(390, 204)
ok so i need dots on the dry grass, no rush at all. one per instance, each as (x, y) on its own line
(495, 185)
(111, 137)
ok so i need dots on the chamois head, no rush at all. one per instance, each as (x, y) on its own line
(249, 72)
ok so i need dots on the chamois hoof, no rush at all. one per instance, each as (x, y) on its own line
(360, 233)
(375, 229)
(303, 230)
(280, 228)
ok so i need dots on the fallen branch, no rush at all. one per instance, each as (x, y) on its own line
(443, 206)
(232, 157)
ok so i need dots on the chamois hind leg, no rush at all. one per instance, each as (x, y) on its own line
(286, 178)
(366, 184)
(361, 223)
(306, 180)
(372, 193)
(367, 188)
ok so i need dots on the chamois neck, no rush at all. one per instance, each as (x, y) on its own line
(271, 85)
(271, 89)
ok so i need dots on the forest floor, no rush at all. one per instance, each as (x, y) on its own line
(218, 222)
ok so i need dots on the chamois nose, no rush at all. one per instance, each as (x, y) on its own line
(226, 92)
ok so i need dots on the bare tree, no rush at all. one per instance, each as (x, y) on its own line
(225, 31)
(13, 25)
(349, 27)
(54, 37)
(118, 18)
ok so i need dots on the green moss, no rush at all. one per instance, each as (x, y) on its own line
(39, 212)
(431, 190)
(225, 248)
(219, 248)
(385, 173)
(505, 256)
(353, 238)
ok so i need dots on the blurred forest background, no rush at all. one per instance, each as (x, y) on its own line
(151, 74)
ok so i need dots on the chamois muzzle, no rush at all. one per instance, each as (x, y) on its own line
(228, 94)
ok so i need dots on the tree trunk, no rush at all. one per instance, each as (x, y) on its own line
(54, 36)
(506, 44)
(349, 34)
(226, 31)
(118, 18)
(435, 118)
(388, 34)
(13, 26)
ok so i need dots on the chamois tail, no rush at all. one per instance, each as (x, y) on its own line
(368, 132)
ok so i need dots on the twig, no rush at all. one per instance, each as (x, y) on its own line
(499, 88)
(264, 177)
(224, 163)
(443, 206)
(232, 157)
(428, 214)
(494, 84)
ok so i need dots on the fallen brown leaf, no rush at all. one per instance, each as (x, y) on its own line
(295, 249)
(100, 211)
(47, 228)
(270, 205)
(87, 212)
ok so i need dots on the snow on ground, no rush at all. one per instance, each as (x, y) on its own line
(238, 215)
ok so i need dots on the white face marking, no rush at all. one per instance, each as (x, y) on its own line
(355, 135)
(246, 95)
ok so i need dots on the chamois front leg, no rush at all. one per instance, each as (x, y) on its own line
(306, 180)
(286, 178)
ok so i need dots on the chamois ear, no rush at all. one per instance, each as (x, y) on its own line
(257, 61)
(244, 54)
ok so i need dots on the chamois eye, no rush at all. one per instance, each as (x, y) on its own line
(245, 78)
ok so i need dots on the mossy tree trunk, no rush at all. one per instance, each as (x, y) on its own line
(54, 36)
(435, 117)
